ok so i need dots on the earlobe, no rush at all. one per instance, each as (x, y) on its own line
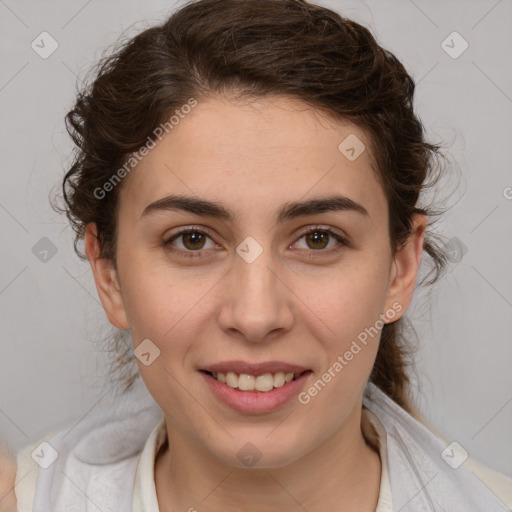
(106, 279)
(406, 265)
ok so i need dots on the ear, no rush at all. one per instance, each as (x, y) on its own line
(107, 281)
(405, 266)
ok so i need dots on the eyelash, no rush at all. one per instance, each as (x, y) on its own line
(197, 254)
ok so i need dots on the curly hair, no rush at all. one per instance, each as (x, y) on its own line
(248, 48)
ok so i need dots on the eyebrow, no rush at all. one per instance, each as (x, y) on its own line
(289, 211)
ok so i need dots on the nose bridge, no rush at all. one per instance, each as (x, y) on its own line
(257, 303)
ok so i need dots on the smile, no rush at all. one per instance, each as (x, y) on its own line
(262, 383)
(255, 389)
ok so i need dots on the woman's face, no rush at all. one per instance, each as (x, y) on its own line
(248, 290)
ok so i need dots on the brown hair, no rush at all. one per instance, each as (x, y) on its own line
(256, 48)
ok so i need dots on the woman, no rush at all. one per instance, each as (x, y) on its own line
(247, 184)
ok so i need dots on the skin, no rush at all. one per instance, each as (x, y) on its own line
(298, 302)
(7, 479)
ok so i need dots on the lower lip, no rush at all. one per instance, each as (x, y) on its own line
(256, 402)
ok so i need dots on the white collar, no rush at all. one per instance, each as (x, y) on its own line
(144, 491)
(99, 456)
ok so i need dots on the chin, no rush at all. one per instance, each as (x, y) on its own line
(252, 451)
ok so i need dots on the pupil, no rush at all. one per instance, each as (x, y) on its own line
(316, 235)
(194, 237)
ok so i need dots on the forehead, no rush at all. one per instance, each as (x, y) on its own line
(257, 155)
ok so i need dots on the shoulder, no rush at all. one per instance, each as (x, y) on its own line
(26, 477)
(54, 476)
(498, 483)
(94, 459)
(418, 453)
(7, 480)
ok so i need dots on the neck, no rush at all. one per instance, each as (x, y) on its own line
(343, 473)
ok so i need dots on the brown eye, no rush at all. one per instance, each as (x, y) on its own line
(192, 241)
(318, 239)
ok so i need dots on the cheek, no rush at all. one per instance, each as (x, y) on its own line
(154, 297)
(352, 308)
(353, 313)
(149, 308)
(165, 314)
(168, 308)
(348, 301)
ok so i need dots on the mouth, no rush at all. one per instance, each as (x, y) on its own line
(251, 376)
(255, 388)
(262, 383)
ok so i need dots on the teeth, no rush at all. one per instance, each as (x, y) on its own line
(245, 382)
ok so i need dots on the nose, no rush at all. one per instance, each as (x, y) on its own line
(257, 301)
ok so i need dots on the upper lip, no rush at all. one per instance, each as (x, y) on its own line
(255, 368)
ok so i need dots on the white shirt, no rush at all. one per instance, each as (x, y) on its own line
(144, 491)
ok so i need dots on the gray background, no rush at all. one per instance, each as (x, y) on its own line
(51, 368)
